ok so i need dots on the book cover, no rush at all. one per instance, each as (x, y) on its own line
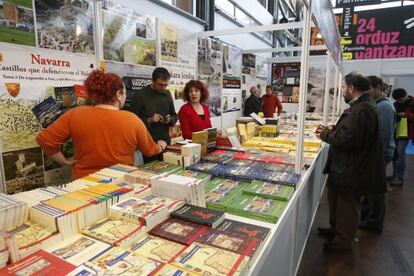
(83, 270)
(218, 197)
(208, 260)
(47, 111)
(66, 96)
(156, 248)
(172, 270)
(78, 249)
(269, 190)
(177, 230)
(121, 261)
(113, 231)
(30, 233)
(159, 167)
(38, 264)
(238, 227)
(199, 215)
(256, 207)
(234, 242)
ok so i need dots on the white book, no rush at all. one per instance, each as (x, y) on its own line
(78, 249)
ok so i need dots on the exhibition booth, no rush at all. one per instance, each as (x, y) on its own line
(43, 65)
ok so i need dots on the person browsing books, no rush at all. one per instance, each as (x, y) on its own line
(253, 103)
(155, 106)
(102, 135)
(270, 102)
(194, 115)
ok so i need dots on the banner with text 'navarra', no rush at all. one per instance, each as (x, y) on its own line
(380, 34)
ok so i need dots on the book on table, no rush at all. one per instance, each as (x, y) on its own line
(200, 215)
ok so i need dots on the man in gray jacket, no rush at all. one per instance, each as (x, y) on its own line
(373, 206)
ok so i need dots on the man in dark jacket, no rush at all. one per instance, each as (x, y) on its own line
(155, 106)
(253, 103)
(355, 162)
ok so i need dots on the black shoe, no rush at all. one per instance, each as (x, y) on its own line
(334, 246)
(370, 227)
(326, 233)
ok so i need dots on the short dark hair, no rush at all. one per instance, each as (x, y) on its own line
(200, 86)
(376, 82)
(358, 81)
(399, 93)
(160, 73)
(269, 86)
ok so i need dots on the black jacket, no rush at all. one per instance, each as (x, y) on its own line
(146, 102)
(252, 104)
(355, 162)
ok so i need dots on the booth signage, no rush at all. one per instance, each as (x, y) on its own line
(352, 3)
(378, 34)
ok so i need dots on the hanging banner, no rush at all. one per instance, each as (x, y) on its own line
(262, 72)
(27, 76)
(232, 67)
(380, 33)
(65, 25)
(352, 3)
(134, 77)
(17, 22)
(231, 100)
(179, 56)
(128, 35)
(210, 71)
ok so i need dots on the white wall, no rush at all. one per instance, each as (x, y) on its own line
(406, 82)
(150, 8)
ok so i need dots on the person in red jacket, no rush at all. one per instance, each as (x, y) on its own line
(270, 102)
(194, 115)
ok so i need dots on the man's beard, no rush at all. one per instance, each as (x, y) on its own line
(347, 99)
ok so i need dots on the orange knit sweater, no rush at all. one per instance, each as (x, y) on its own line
(101, 138)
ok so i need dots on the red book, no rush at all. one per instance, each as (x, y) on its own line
(180, 231)
(230, 241)
(39, 263)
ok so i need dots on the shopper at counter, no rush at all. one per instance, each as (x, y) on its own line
(270, 102)
(102, 135)
(355, 162)
(404, 106)
(253, 103)
(373, 206)
(155, 106)
(194, 115)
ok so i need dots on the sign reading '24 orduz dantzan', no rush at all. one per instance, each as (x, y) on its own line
(380, 34)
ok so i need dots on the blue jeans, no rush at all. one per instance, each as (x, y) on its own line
(399, 165)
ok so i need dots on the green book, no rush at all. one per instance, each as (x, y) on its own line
(269, 190)
(159, 167)
(255, 207)
(204, 177)
(219, 191)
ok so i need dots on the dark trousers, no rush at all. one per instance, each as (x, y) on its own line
(343, 215)
(373, 210)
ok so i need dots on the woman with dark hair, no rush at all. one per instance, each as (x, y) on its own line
(194, 115)
(102, 135)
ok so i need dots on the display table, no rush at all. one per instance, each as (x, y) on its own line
(283, 249)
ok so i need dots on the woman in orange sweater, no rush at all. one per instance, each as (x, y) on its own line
(102, 135)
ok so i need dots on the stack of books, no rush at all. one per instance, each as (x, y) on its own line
(35, 196)
(180, 187)
(13, 212)
(269, 190)
(28, 238)
(78, 249)
(115, 231)
(218, 191)
(4, 252)
(200, 215)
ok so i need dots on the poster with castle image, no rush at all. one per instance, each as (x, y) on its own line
(17, 22)
(65, 25)
(23, 170)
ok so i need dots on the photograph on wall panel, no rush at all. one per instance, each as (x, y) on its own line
(17, 22)
(65, 25)
(23, 169)
(128, 36)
